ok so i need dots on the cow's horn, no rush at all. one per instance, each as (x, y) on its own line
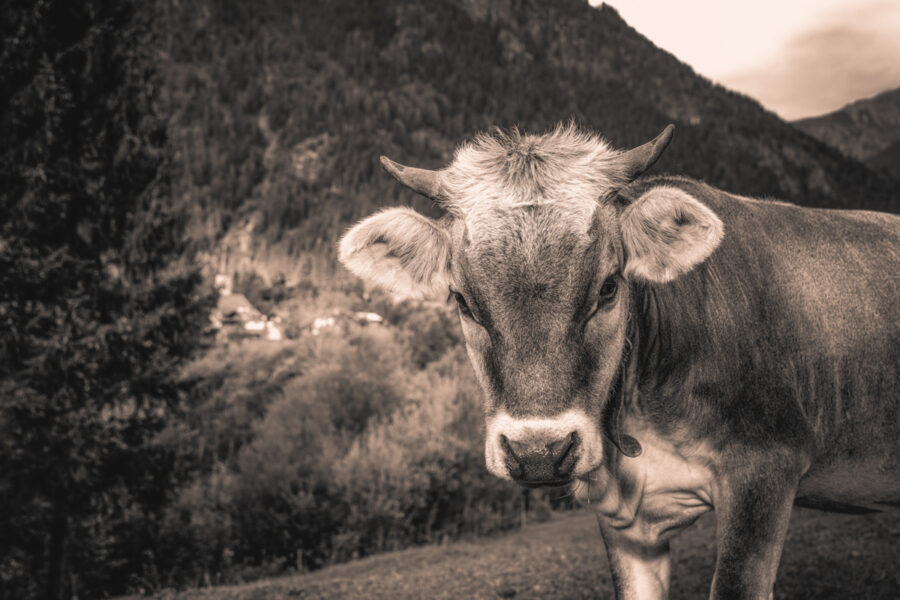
(423, 181)
(637, 160)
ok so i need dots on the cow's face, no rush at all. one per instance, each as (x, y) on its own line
(539, 258)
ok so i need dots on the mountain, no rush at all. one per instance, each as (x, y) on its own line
(888, 159)
(280, 109)
(867, 130)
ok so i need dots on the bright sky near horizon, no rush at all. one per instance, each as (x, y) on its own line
(799, 58)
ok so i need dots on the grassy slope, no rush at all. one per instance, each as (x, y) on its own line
(827, 556)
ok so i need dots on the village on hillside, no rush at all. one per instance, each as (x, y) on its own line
(235, 318)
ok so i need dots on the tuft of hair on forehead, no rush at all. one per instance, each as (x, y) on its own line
(566, 166)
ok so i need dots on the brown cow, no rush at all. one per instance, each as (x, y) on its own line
(666, 347)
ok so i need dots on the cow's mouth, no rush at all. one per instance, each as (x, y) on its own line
(545, 483)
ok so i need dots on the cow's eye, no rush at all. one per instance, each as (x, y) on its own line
(606, 295)
(609, 288)
(463, 305)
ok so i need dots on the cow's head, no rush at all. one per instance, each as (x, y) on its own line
(538, 251)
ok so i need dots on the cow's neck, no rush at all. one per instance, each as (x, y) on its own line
(651, 495)
(618, 400)
(664, 336)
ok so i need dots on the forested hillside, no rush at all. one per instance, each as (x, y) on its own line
(867, 130)
(280, 110)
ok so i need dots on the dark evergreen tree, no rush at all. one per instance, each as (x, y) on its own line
(100, 302)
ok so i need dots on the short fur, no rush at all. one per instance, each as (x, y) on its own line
(503, 171)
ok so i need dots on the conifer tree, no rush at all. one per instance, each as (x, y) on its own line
(100, 303)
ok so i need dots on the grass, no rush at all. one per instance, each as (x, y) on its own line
(826, 557)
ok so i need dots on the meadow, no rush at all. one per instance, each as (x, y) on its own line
(826, 557)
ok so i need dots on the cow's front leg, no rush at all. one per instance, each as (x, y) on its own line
(753, 509)
(639, 572)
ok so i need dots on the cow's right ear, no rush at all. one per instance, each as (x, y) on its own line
(667, 232)
(401, 251)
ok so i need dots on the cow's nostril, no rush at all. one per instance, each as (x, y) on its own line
(567, 452)
(515, 468)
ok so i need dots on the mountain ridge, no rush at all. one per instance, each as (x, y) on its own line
(339, 84)
(867, 130)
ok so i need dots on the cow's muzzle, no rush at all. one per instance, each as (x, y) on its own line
(543, 450)
(538, 461)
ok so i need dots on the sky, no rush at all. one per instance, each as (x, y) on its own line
(799, 58)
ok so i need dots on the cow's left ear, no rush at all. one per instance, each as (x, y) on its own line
(667, 232)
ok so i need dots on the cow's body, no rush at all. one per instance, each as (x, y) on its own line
(781, 349)
(789, 333)
(665, 346)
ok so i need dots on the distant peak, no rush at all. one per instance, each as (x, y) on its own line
(610, 10)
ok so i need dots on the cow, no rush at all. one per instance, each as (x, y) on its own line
(664, 347)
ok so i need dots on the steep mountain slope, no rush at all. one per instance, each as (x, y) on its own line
(888, 159)
(867, 130)
(280, 110)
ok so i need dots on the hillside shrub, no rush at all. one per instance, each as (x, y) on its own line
(417, 478)
(348, 447)
(430, 334)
